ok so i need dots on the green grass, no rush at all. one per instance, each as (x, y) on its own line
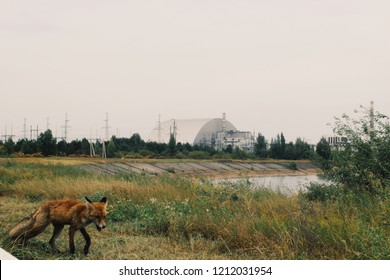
(173, 217)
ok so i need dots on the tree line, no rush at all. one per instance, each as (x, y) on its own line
(136, 147)
(360, 163)
(280, 149)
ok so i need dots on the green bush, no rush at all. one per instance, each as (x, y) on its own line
(361, 163)
(321, 192)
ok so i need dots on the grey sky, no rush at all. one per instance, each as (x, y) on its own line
(271, 66)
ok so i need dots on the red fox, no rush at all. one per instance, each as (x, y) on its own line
(60, 213)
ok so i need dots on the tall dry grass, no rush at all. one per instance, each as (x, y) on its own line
(172, 217)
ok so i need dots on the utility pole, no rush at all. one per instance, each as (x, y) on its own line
(33, 130)
(66, 126)
(91, 148)
(107, 135)
(173, 130)
(104, 152)
(91, 145)
(24, 129)
(159, 129)
(107, 128)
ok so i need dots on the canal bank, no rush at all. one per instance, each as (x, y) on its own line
(208, 169)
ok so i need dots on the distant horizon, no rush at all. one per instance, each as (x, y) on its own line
(60, 136)
(272, 66)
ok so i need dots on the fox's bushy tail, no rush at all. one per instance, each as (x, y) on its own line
(22, 227)
(30, 226)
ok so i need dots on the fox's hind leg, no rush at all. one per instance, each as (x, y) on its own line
(40, 220)
(56, 233)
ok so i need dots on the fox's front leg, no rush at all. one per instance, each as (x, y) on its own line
(72, 231)
(87, 240)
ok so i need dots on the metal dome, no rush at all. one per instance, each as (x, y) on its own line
(209, 130)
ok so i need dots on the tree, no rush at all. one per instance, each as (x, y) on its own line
(9, 146)
(275, 147)
(290, 151)
(261, 146)
(323, 149)
(136, 143)
(239, 154)
(85, 146)
(302, 149)
(62, 148)
(278, 147)
(47, 144)
(18, 145)
(74, 147)
(171, 149)
(362, 162)
(228, 149)
(29, 147)
(2, 149)
(282, 145)
(111, 149)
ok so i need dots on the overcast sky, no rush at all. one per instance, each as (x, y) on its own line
(271, 66)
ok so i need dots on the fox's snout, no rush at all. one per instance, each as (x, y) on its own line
(100, 227)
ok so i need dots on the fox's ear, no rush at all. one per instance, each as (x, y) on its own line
(104, 200)
(89, 203)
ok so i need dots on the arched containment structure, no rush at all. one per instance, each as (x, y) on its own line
(208, 133)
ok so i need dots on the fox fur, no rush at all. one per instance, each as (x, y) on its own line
(70, 212)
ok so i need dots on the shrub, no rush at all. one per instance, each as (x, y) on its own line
(321, 192)
(362, 162)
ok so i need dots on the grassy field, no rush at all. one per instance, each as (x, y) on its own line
(173, 217)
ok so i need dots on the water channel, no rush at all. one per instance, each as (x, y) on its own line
(284, 184)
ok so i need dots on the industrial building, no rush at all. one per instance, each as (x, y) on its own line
(336, 141)
(217, 132)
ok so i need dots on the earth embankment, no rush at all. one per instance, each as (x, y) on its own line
(225, 169)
